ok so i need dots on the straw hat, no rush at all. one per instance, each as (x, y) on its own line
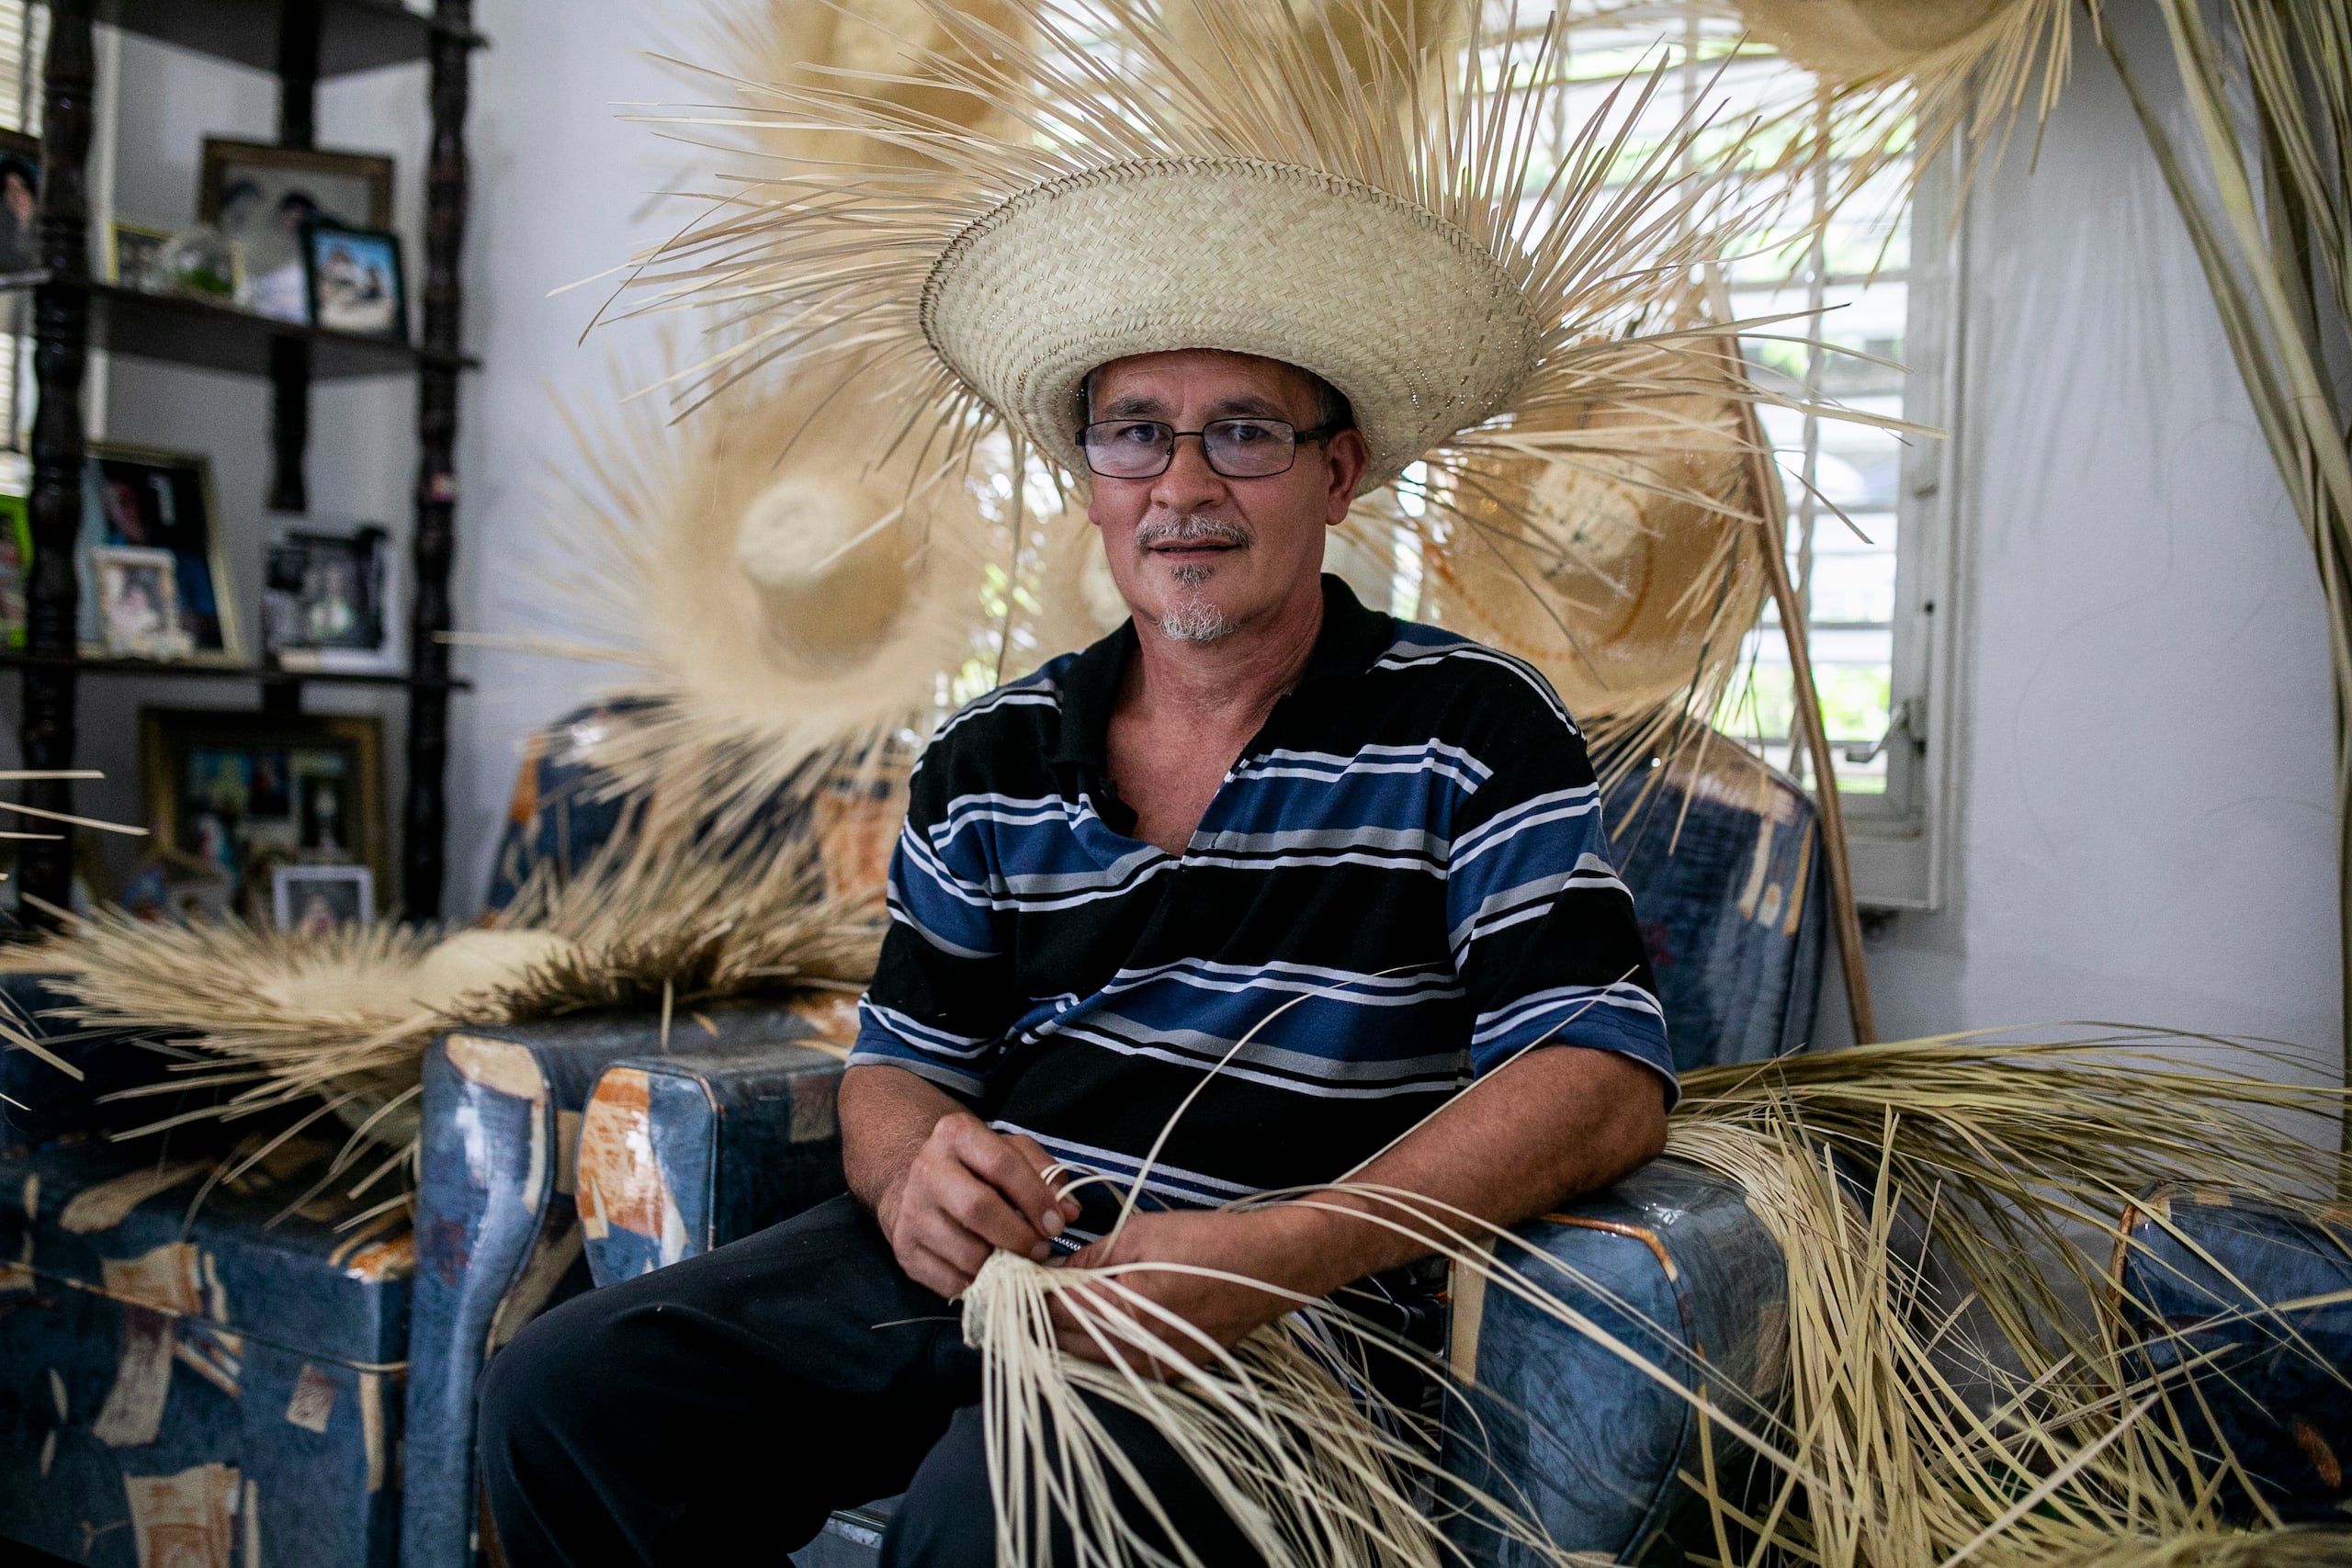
(1846, 40)
(1628, 582)
(1320, 184)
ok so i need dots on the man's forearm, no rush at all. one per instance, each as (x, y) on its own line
(1556, 1122)
(887, 1114)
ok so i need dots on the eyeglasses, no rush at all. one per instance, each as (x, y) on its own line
(1237, 448)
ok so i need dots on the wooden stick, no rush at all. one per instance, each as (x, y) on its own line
(1772, 505)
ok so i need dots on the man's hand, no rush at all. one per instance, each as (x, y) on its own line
(1274, 1245)
(970, 1189)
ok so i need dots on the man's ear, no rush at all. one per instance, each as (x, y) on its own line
(1349, 458)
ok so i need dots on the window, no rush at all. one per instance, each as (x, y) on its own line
(1865, 505)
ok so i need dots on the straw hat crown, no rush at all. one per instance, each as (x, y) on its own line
(1238, 253)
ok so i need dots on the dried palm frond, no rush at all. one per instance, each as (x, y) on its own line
(2005, 1163)
(278, 1019)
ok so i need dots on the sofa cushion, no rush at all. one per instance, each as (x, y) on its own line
(115, 1219)
(203, 1383)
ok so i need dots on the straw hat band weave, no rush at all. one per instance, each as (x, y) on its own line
(1418, 324)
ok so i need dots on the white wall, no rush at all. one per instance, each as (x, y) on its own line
(2143, 831)
(2144, 828)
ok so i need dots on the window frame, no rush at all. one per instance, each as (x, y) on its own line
(1898, 842)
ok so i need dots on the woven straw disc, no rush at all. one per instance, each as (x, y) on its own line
(1846, 40)
(1421, 327)
(1650, 584)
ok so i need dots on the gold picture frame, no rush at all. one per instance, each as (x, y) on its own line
(261, 782)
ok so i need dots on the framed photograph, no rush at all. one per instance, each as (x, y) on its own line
(315, 899)
(132, 250)
(262, 198)
(354, 278)
(19, 202)
(153, 498)
(247, 794)
(327, 598)
(139, 601)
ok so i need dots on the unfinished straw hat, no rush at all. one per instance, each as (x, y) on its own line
(1357, 188)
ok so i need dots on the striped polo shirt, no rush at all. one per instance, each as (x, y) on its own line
(1401, 884)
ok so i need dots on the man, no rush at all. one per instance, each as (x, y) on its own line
(1113, 875)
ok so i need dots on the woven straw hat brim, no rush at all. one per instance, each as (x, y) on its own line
(1422, 328)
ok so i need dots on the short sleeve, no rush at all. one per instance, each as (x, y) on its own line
(941, 1001)
(1542, 928)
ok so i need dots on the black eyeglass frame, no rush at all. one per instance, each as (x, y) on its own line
(1297, 438)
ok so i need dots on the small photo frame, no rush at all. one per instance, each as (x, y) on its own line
(314, 900)
(354, 280)
(139, 601)
(327, 596)
(262, 198)
(132, 253)
(19, 202)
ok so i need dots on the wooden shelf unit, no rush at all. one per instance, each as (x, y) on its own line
(302, 41)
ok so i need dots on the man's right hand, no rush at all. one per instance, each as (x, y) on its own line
(968, 1192)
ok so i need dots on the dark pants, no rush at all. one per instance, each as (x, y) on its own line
(742, 1396)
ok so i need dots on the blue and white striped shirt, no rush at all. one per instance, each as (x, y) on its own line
(1410, 854)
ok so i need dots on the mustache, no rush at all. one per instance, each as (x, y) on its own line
(1193, 529)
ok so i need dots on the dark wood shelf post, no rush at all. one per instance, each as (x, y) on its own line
(62, 337)
(298, 27)
(426, 817)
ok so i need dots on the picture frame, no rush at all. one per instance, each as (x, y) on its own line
(248, 793)
(313, 901)
(261, 196)
(139, 601)
(132, 251)
(164, 499)
(19, 202)
(328, 597)
(353, 281)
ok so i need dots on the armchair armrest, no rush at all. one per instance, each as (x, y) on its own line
(498, 1237)
(2256, 1298)
(1671, 1262)
(680, 1155)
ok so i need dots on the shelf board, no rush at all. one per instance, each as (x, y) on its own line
(357, 35)
(197, 669)
(182, 330)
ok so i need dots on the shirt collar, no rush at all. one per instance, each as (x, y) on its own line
(1351, 638)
